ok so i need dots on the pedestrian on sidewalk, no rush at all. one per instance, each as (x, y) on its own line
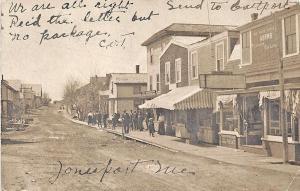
(151, 127)
(90, 118)
(147, 119)
(135, 120)
(105, 116)
(131, 120)
(126, 122)
(94, 118)
(140, 121)
(114, 121)
(99, 119)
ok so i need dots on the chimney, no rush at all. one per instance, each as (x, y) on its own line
(254, 16)
(137, 69)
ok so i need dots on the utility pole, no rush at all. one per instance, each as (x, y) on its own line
(282, 115)
(282, 96)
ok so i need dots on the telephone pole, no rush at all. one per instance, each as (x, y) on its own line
(282, 114)
(282, 96)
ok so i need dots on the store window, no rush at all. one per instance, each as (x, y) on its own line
(181, 117)
(205, 117)
(291, 122)
(290, 38)
(274, 111)
(230, 122)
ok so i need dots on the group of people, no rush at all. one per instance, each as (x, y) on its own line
(97, 118)
(133, 120)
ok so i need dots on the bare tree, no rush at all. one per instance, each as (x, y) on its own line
(46, 99)
(70, 92)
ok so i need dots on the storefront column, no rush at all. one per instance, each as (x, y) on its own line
(298, 130)
(221, 117)
(293, 127)
(266, 117)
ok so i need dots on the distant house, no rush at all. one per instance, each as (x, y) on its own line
(122, 90)
(32, 95)
(10, 104)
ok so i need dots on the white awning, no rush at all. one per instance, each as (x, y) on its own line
(226, 99)
(272, 95)
(190, 97)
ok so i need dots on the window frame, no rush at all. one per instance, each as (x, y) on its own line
(284, 35)
(168, 65)
(151, 83)
(157, 82)
(151, 56)
(243, 63)
(176, 69)
(216, 55)
(196, 66)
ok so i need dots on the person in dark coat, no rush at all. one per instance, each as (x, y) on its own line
(131, 120)
(99, 119)
(140, 121)
(135, 120)
(105, 116)
(114, 121)
(151, 127)
(126, 121)
(90, 118)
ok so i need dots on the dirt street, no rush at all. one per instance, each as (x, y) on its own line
(57, 154)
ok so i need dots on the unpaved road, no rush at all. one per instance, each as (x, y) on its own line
(57, 154)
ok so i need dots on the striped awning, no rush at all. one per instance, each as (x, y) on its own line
(184, 98)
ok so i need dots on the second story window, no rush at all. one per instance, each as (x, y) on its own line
(157, 82)
(151, 83)
(246, 48)
(194, 65)
(151, 55)
(290, 36)
(167, 72)
(178, 70)
(220, 57)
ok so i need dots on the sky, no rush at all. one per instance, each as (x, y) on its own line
(54, 62)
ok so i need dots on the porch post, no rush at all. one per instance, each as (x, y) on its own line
(221, 117)
(266, 117)
(298, 129)
(221, 122)
(293, 126)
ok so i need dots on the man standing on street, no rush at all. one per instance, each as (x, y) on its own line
(126, 122)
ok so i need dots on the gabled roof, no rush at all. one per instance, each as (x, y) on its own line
(6, 84)
(180, 29)
(16, 84)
